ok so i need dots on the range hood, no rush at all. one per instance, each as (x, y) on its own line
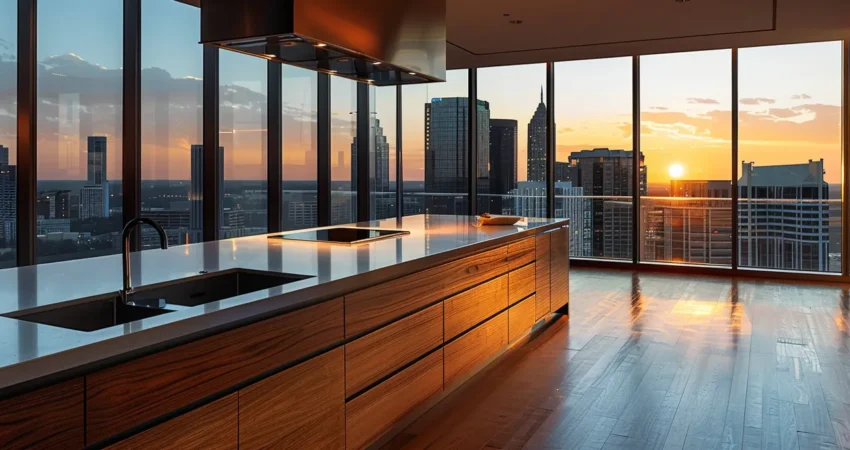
(382, 42)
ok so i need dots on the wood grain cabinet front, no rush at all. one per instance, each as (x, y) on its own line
(372, 414)
(379, 353)
(520, 319)
(521, 283)
(560, 269)
(469, 308)
(302, 407)
(542, 275)
(49, 418)
(473, 350)
(132, 393)
(210, 427)
(520, 253)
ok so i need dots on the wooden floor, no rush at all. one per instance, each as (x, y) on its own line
(664, 362)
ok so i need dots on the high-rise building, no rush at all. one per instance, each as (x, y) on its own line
(701, 188)
(96, 177)
(382, 205)
(606, 175)
(8, 199)
(91, 202)
(53, 204)
(537, 143)
(447, 150)
(783, 216)
(503, 159)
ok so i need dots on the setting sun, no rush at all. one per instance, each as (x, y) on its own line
(676, 170)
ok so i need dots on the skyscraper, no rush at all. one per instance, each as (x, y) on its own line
(537, 143)
(382, 205)
(447, 150)
(8, 198)
(606, 175)
(503, 170)
(196, 190)
(97, 181)
(783, 216)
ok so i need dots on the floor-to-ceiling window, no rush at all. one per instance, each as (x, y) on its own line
(594, 156)
(512, 140)
(79, 110)
(8, 131)
(382, 146)
(435, 145)
(300, 114)
(243, 144)
(172, 110)
(343, 150)
(686, 128)
(790, 178)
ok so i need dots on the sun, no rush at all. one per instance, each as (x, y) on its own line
(676, 170)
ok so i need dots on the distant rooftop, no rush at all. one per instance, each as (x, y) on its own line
(807, 174)
(601, 153)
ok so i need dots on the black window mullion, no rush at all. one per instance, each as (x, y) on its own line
(26, 134)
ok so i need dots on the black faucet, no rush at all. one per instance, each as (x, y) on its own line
(125, 234)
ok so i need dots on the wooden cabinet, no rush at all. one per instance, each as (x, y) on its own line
(467, 354)
(372, 307)
(560, 269)
(369, 416)
(299, 408)
(521, 283)
(129, 394)
(49, 418)
(469, 308)
(541, 270)
(520, 319)
(520, 253)
(211, 427)
(377, 354)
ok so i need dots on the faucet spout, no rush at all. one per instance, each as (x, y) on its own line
(125, 252)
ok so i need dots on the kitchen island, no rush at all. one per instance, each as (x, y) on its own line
(360, 340)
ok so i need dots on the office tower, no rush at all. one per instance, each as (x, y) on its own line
(8, 199)
(606, 175)
(783, 216)
(96, 168)
(701, 188)
(563, 171)
(537, 143)
(503, 161)
(53, 204)
(382, 204)
(91, 202)
(447, 150)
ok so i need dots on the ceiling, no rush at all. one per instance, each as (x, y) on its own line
(483, 27)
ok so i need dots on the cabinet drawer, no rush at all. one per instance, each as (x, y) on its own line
(541, 269)
(468, 353)
(129, 394)
(379, 353)
(377, 305)
(213, 427)
(374, 413)
(520, 318)
(467, 309)
(520, 253)
(560, 268)
(521, 283)
(48, 418)
(301, 407)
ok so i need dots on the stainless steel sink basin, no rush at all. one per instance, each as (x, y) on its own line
(90, 315)
(107, 311)
(213, 287)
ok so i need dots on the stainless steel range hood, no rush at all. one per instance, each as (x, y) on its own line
(383, 42)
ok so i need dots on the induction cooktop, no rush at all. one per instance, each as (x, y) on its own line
(342, 235)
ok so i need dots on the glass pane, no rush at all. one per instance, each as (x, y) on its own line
(790, 157)
(79, 84)
(686, 131)
(593, 167)
(300, 114)
(513, 143)
(343, 151)
(434, 144)
(8, 131)
(172, 107)
(382, 145)
(243, 143)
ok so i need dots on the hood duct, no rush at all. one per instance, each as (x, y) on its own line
(382, 42)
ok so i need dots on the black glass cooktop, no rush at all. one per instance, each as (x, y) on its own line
(342, 235)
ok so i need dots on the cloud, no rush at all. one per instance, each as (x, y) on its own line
(757, 101)
(703, 101)
(800, 97)
(565, 130)
(658, 108)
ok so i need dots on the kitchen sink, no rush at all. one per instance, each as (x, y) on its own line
(203, 289)
(90, 315)
(145, 302)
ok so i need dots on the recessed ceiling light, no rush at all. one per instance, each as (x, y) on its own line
(376, 63)
(332, 71)
(321, 44)
(269, 55)
(412, 73)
